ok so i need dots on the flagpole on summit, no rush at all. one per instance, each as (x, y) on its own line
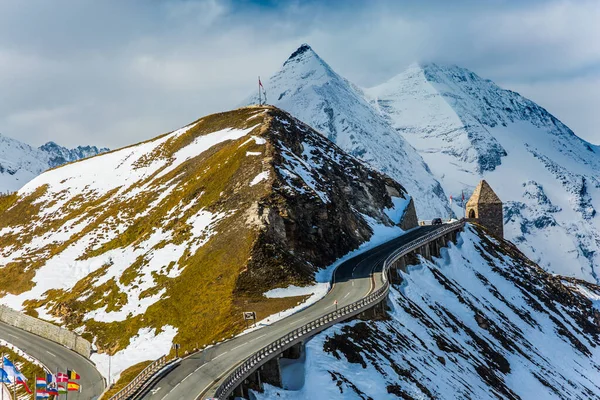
(259, 101)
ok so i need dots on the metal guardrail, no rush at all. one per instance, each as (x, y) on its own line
(140, 379)
(237, 376)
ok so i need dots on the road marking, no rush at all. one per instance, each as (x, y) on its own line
(52, 354)
(237, 347)
(299, 319)
(175, 387)
(352, 283)
(154, 391)
(347, 294)
(258, 337)
(12, 336)
(222, 354)
(197, 369)
(191, 373)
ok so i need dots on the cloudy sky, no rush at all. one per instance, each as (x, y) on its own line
(116, 72)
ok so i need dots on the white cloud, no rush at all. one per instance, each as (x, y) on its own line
(127, 71)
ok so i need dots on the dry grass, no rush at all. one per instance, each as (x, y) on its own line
(126, 377)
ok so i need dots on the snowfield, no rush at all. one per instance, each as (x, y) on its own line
(20, 163)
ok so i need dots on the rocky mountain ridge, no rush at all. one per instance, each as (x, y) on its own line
(308, 88)
(482, 321)
(171, 239)
(467, 128)
(20, 162)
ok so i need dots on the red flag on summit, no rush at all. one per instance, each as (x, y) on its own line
(260, 83)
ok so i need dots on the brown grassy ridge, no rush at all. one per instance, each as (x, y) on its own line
(126, 377)
(200, 302)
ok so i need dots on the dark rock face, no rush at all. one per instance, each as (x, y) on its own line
(308, 226)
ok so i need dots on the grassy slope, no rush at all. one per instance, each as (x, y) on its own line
(199, 302)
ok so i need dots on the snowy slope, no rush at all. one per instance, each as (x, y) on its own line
(170, 239)
(481, 322)
(467, 128)
(19, 162)
(310, 90)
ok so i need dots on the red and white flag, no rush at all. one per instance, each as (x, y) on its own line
(60, 377)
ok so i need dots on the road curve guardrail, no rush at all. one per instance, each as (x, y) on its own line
(243, 371)
(133, 386)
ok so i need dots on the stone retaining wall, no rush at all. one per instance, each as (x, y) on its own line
(46, 330)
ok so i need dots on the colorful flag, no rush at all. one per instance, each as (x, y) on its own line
(12, 371)
(21, 382)
(40, 383)
(52, 391)
(50, 378)
(73, 386)
(72, 375)
(60, 377)
(62, 389)
(41, 394)
(4, 376)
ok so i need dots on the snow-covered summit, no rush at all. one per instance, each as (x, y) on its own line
(308, 88)
(468, 128)
(20, 162)
(61, 155)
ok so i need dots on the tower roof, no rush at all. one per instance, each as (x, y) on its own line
(483, 194)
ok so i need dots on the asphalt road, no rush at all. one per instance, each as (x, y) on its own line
(56, 356)
(354, 279)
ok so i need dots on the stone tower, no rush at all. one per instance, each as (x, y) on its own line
(485, 205)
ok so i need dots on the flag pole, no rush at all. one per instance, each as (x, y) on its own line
(2, 383)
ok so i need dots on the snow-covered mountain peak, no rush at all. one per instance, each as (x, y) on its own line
(468, 128)
(20, 162)
(308, 88)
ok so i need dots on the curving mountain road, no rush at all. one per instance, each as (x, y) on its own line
(56, 356)
(198, 376)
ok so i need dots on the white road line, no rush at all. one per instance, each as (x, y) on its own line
(352, 283)
(198, 369)
(299, 319)
(191, 373)
(237, 347)
(222, 354)
(52, 354)
(258, 337)
(347, 294)
(12, 335)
